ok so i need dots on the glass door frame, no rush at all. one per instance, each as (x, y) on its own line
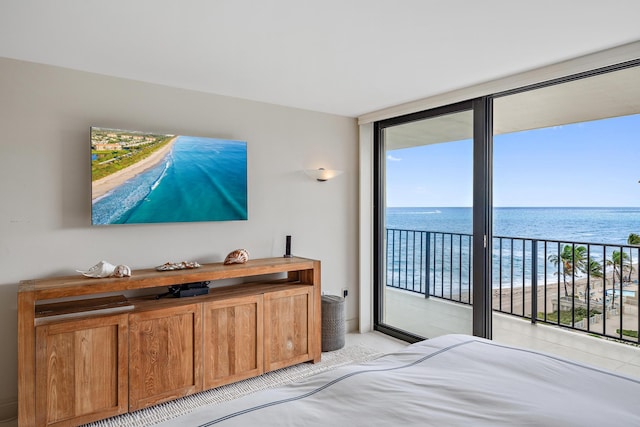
(482, 108)
(482, 213)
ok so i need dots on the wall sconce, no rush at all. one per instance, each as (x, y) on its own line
(322, 174)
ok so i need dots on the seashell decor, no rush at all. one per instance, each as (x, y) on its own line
(122, 271)
(239, 256)
(106, 269)
(169, 266)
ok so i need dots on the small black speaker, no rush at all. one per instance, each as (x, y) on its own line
(287, 248)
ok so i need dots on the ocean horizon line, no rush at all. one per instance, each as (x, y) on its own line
(516, 207)
(610, 225)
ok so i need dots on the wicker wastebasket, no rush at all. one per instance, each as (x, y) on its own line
(333, 328)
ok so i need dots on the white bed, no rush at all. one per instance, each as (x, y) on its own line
(454, 380)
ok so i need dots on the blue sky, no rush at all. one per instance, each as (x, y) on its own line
(585, 164)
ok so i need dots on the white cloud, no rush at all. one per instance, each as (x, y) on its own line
(393, 159)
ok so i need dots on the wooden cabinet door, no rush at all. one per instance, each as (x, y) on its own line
(165, 354)
(288, 319)
(232, 340)
(81, 370)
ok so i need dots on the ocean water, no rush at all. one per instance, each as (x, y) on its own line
(585, 225)
(201, 179)
(446, 258)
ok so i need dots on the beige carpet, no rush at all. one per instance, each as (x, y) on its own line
(169, 410)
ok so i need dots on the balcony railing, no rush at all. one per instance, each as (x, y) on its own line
(591, 287)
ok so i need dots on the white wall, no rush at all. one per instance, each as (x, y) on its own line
(45, 115)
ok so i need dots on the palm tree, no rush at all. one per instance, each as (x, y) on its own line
(572, 260)
(621, 265)
(594, 270)
(633, 239)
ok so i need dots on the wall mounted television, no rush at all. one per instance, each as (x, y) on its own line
(141, 177)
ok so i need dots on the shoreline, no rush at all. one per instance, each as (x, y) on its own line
(104, 185)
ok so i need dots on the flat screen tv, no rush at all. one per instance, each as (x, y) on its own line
(142, 177)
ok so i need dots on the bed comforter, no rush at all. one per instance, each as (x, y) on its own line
(454, 380)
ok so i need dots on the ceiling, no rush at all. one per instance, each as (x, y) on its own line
(597, 97)
(344, 57)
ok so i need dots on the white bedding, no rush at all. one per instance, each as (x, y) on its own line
(454, 380)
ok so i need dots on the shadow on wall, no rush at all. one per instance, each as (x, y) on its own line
(9, 352)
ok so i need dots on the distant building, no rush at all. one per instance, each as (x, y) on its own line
(108, 146)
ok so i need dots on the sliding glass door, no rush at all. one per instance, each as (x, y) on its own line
(425, 223)
(560, 250)
(567, 208)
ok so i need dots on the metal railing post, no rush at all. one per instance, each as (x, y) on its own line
(534, 281)
(427, 255)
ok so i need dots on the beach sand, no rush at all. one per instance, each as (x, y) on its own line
(552, 288)
(512, 301)
(102, 186)
(628, 317)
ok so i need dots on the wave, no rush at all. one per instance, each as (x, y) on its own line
(97, 199)
(420, 212)
(162, 175)
(116, 206)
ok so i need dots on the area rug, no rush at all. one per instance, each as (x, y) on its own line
(176, 408)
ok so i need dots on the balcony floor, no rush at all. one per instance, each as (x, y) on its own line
(433, 317)
(597, 351)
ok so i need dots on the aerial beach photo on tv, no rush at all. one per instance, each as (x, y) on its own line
(142, 177)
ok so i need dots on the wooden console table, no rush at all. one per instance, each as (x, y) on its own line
(81, 367)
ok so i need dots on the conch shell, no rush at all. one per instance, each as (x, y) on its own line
(239, 256)
(106, 269)
(122, 271)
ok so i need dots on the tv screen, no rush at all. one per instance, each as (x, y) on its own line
(141, 177)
